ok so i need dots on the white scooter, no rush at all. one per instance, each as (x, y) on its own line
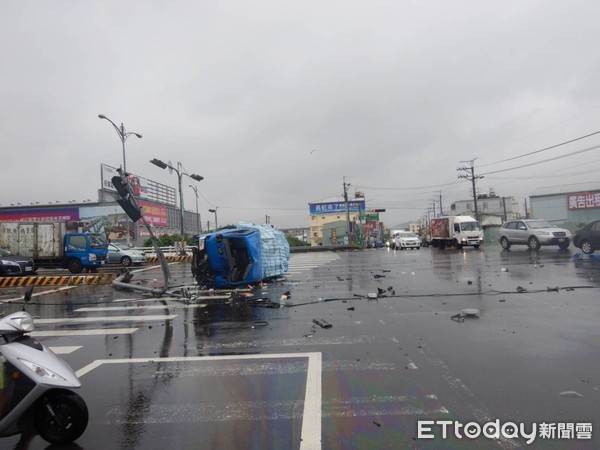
(35, 385)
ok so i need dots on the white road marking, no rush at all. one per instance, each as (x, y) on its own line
(311, 419)
(37, 294)
(95, 332)
(131, 308)
(106, 319)
(65, 350)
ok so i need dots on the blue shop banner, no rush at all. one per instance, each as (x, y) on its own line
(336, 207)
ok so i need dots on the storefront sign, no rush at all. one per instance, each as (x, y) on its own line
(586, 200)
(41, 215)
(336, 207)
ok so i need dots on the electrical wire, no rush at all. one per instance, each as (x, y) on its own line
(545, 160)
(541, 150)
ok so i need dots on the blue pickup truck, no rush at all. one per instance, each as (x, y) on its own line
(239, 255)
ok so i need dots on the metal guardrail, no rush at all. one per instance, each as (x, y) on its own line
(169, 250)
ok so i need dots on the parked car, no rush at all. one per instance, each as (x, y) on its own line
(534, 233)
(15, 264)
(587, 238)
(126, 256)
(405, 239)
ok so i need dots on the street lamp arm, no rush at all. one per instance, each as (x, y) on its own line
(120, 130)
(117, 129)
(129, 133)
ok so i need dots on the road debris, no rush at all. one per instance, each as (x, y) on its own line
(322, 323)
(467, 312)
(570, 394)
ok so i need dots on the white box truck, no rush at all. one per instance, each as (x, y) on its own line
(455, 231)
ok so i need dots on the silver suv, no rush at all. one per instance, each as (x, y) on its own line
(534, 233)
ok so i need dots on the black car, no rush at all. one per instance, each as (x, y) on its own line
(15, 265)
(588, 237)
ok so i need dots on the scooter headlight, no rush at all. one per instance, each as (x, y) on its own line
(41, 371)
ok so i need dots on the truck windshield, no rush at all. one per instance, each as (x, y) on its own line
(98, 241)
(470, 226)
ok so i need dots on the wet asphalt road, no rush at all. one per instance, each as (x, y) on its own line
(179, 374)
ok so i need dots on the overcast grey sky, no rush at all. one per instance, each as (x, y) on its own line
(274, 102)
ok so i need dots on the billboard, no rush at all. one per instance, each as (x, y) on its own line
(336, 207)
(154, 214)
(587, 200)
(143, 188)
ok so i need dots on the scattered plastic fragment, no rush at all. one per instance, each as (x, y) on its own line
(351, 308)
(504, 269)
(521, 289)
(259, 323)
(322, 323)
(467, 312)
(371, 295)
(571, 394)
(378, 276)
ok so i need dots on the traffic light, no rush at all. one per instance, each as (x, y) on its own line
(126, 201)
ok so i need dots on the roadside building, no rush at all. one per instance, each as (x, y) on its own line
(567, 206)
(493, 210)
(326, 212)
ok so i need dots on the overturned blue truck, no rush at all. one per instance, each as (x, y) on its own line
(239, 255)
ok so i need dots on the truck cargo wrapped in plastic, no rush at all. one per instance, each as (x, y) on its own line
(239, 255)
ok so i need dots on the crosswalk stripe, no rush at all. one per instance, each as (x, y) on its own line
(65, 349)
(106, 319)
(94, 332)
(131, 308)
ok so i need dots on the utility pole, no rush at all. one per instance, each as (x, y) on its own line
(347, 209)
(470, 175)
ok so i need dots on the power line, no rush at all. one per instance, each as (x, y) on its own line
(545, 160)
(541, 150)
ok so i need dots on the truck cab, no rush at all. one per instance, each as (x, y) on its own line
(84, 251)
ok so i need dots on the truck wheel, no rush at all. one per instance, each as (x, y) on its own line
(457, 245)
(75, 266)
(126, 261)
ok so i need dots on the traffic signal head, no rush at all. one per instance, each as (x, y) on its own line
(126, 201)
(120, 186)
